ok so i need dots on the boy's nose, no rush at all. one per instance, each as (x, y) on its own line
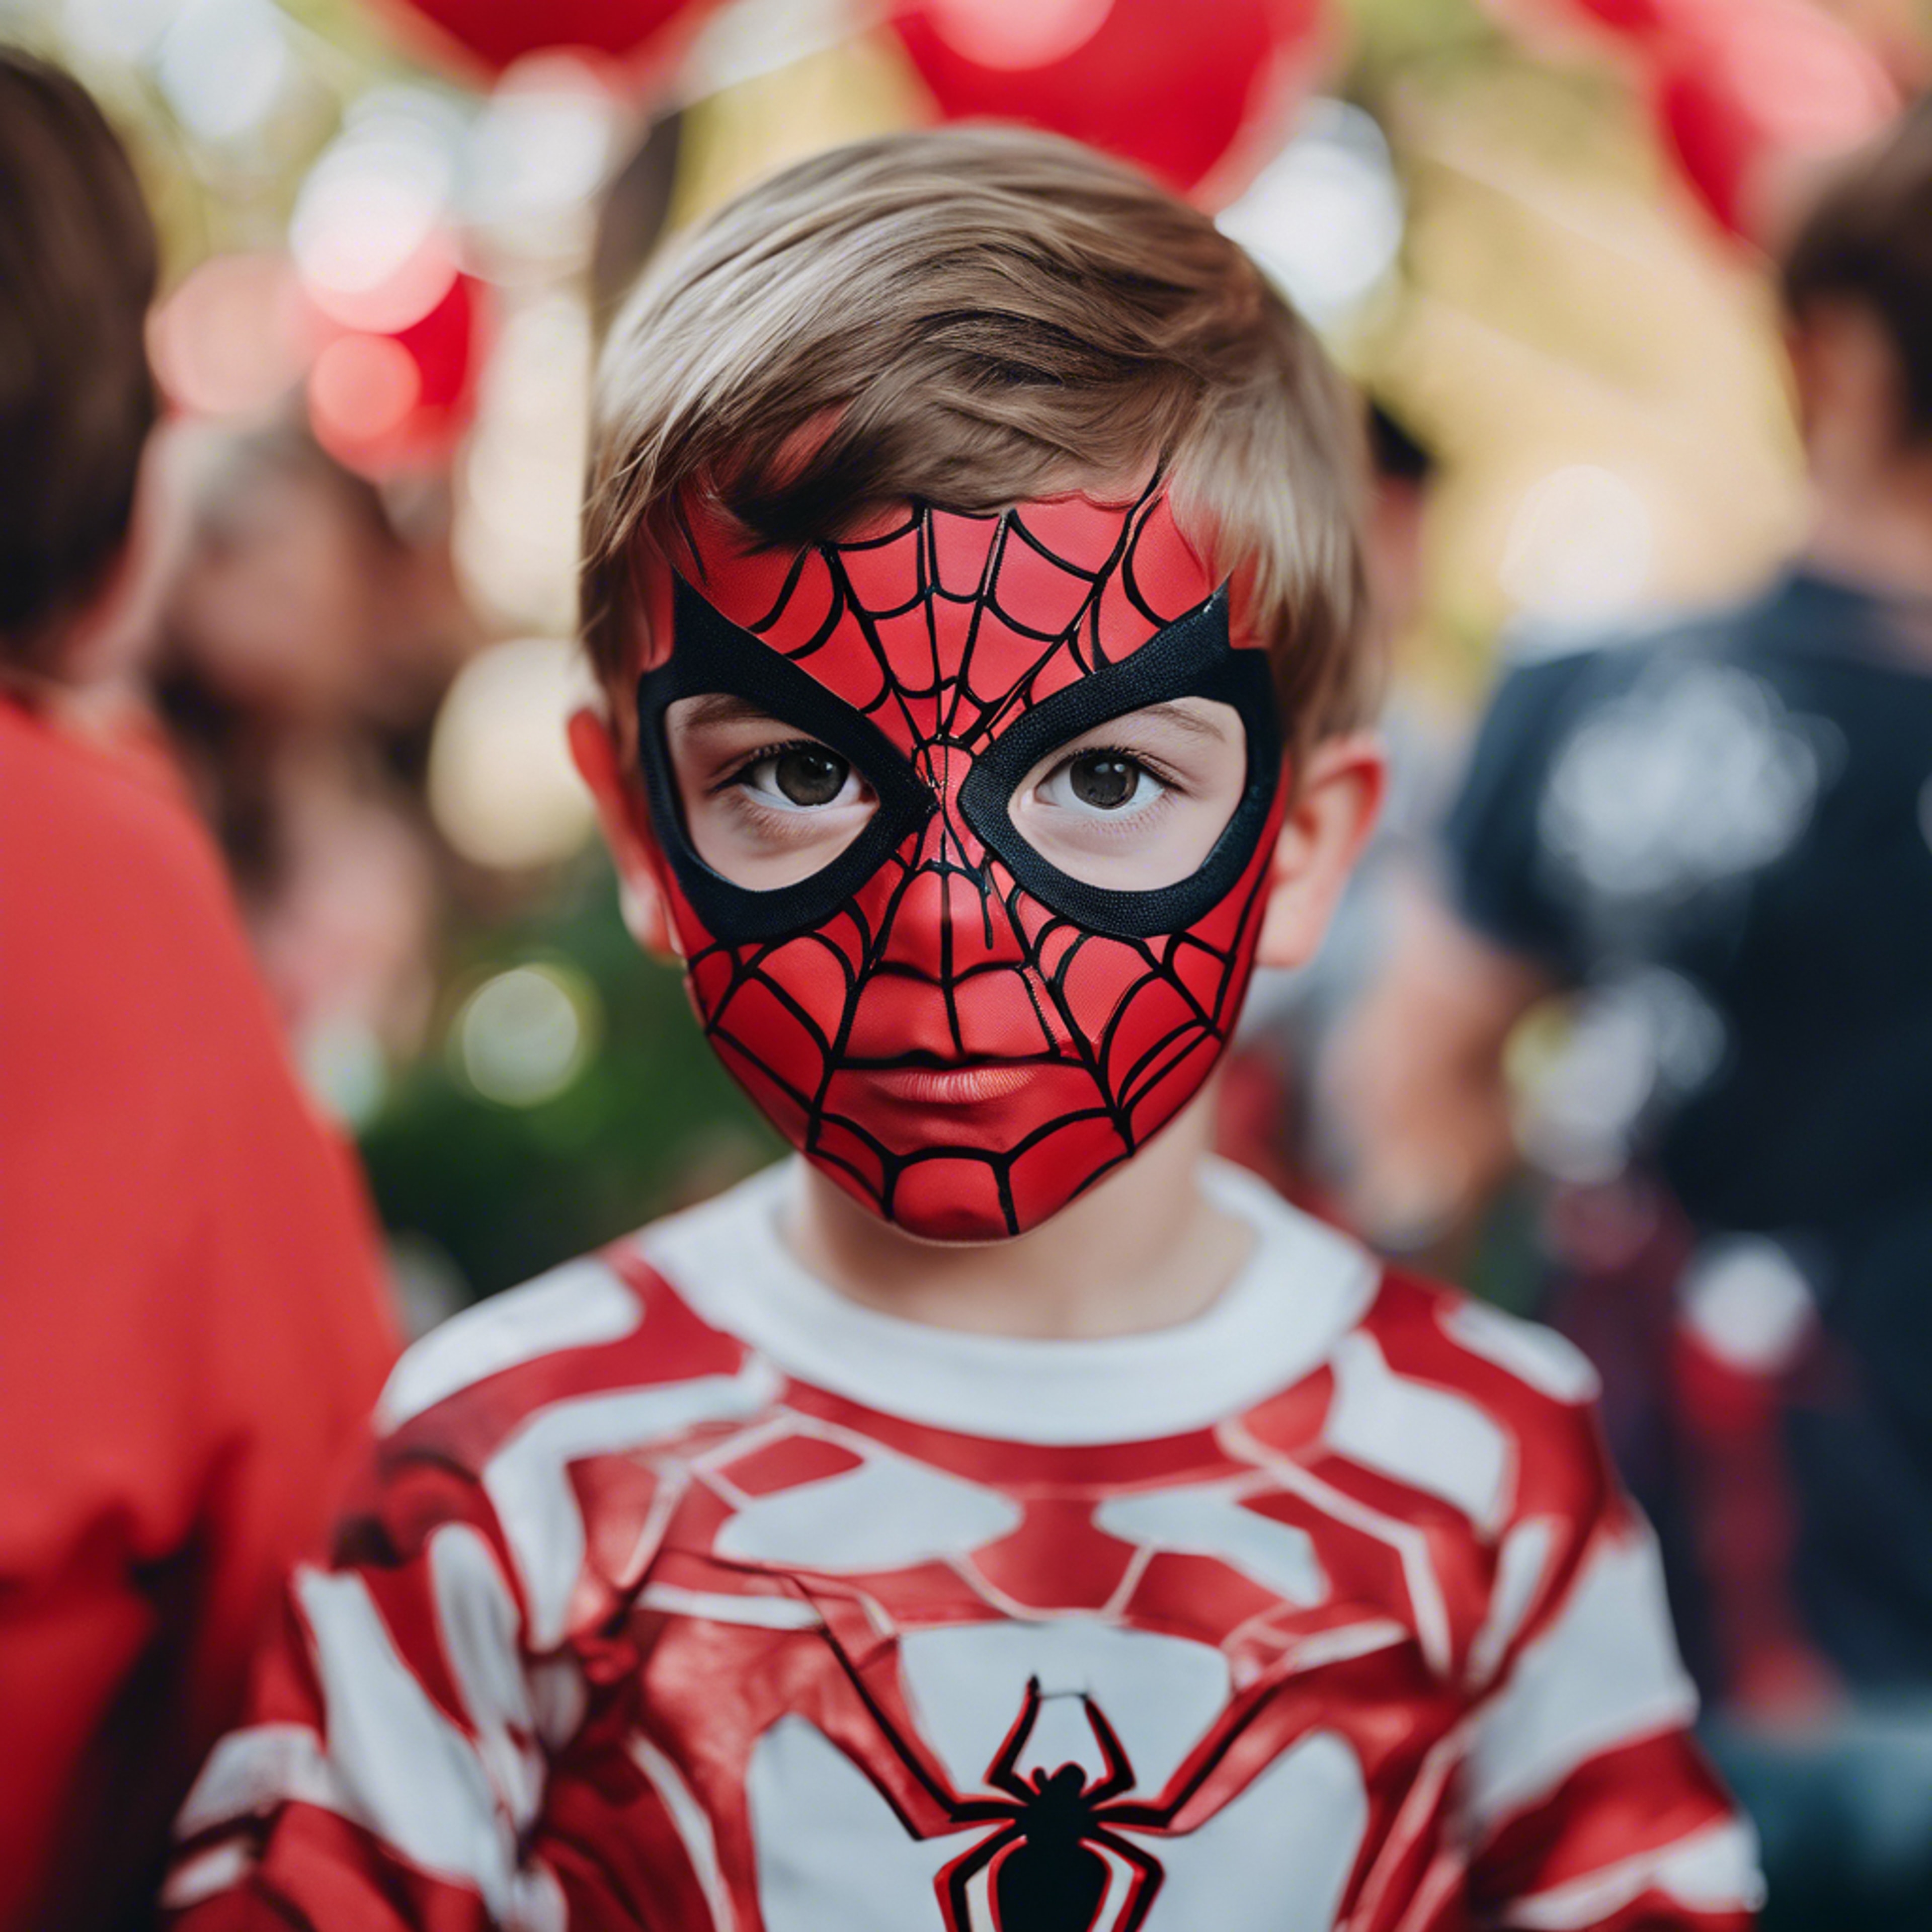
(954, 963)
(949, 917)
(939, 990)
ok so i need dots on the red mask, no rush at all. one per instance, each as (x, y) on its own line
(944, 658)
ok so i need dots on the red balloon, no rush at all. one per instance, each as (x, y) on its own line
(1739, 84)
(492, 34)
(1631, 20)
(1738, 87)
(1197, 94)
(444, 343)
(382, 403)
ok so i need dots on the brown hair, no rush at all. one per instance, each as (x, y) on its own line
(970, 318)
(77, 270)
(1869, 240)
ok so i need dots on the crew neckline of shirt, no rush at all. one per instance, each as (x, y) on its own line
(1812, 610)
(1302, 1288)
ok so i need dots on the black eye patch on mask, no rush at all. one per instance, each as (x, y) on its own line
(711, 654)
(1191, 658)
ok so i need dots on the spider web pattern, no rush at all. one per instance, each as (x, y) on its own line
(941, 630)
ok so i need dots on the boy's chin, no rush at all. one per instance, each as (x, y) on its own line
(960, 1199)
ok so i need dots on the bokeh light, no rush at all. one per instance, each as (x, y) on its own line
(517, 506)
(370, 232)
(361, 390)
(344, 1068)
(233, 337)
(224, 65)
(523, 1035)
(1747, 1299)
(537, 155)
(123, 30)
(1324, 218)
(1581, 546)
(997, 34)
(502, 787)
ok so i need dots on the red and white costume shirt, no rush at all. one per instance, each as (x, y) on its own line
(685, 1595)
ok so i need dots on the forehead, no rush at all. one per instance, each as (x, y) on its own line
(936, 625)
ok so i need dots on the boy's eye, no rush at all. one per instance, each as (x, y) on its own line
(802, 776)
(1101, 781)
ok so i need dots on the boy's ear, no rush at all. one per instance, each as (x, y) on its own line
(1328, 821)
(621, 810)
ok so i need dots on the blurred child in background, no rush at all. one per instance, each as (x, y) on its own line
(309, 635)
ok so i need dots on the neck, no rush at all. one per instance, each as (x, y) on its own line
(1877, 532)
(1143, 1249)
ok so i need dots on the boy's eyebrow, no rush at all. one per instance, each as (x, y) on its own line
(1173, 711)
(720, 707)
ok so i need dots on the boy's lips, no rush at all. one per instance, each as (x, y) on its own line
(955, 1086)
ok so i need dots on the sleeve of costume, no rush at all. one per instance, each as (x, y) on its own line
(1492, 838)
(392, 1763)
(1586, 1803)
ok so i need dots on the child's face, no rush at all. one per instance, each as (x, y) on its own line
(966, 829)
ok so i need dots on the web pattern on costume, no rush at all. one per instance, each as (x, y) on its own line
(942, 630)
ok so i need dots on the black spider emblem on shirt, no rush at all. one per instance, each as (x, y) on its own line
(1047, 1870)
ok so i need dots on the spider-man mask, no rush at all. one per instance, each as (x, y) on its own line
(962, 1034)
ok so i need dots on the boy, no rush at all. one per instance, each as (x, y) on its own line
(192, 1322)
(1003, 1517)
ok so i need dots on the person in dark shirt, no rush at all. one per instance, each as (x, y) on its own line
(1716, 835)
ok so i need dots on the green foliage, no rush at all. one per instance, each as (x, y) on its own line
(650, 1122)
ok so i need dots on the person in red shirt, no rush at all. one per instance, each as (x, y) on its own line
(192, 1324)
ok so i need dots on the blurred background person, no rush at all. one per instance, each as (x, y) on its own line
(309, 633)
(1716, 833)
(191, 1327)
